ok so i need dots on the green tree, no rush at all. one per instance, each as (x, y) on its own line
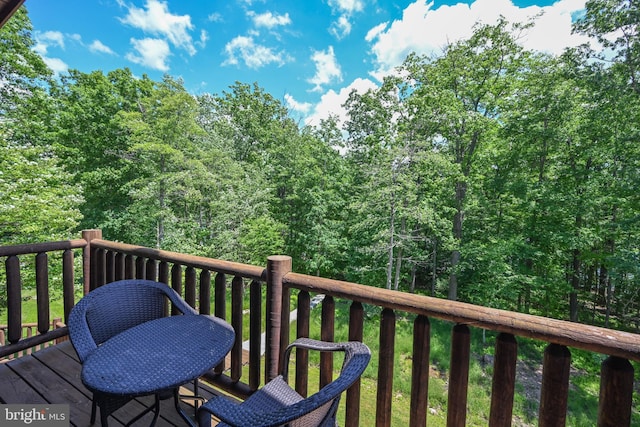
(37, 200)
(92, 143)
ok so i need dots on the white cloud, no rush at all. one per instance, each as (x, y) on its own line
(215, 17)
(269, 20)
(152, 53)
(375, 31)
(345, 9)
(427, 30)
(58, 66)
(347, 6)
(252, 54)
(340, 28)
(331, 102)
(301, 107)
(156, 19)
(46, 39)
(99, 47)
(327, 69)
(204, 38)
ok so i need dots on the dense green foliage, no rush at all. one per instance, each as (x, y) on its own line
(488, 174)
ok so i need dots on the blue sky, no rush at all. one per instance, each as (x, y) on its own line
(308, 53)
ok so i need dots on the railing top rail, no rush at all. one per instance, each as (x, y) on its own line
(42, 247)
(227, 267)
(585, 337)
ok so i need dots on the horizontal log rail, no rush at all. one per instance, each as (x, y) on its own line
(36, 248)
(33, 339)
(591, 338)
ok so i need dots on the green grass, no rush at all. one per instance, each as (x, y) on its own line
(30, 307)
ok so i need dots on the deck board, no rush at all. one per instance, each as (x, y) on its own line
(52, 375)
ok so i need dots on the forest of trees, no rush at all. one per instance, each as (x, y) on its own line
(488, 174)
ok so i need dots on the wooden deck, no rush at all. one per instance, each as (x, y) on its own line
(52, 375)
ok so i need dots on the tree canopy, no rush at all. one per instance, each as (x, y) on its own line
(489, 173)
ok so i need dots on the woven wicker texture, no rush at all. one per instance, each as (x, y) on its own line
(118, 306)
(158, 355)
(277, 404)
(126, 320)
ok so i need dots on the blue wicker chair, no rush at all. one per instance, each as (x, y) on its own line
(277, 404)
(111, 309)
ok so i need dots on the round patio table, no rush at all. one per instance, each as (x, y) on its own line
(155, 358)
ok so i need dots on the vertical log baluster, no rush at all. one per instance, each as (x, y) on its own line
(219, 296)
(385, 367)
(119, 266)
(42, 291)
(163, 272)
(151, 270)
(237, 290)
(129, 267)
(205, 292)
(140, 267)
(327, 332)
(302, 355)
(99, 255)
(420, 372)
(356, 331)
(458, 376)
(555, 386)
(163, 277)
(220, 306)
(255, 334)
(504, 381)
(176, 283)
(110, 266)
(68, 284)
(616, 393)
(190, 286)
(14, 299)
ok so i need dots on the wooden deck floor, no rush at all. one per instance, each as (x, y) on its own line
(52, 375)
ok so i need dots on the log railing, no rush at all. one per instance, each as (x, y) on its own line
(203, 280)
(14, 256)
(29, 330)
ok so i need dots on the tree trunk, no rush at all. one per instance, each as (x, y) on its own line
(392, 243)
(461, 191)
(396, 280)
(412, 287)
(575, 286)
(434, 276)
(161, 201)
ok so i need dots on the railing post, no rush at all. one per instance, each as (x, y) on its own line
(14, 299)
(555, 386)
(459, 376)
(356, 332)
(420, 371)
(504, 380)
(616, 393)
(277, 267)
(88, 273)
(385, 367)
